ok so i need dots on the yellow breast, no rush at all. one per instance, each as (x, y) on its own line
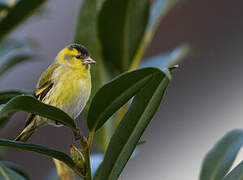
(71, 90)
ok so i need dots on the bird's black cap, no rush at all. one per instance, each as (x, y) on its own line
(83, 50)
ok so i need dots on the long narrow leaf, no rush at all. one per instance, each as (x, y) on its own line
(13, 61)
(17, 14)
(10, 174)
(158, 11)
(8, 46)
(103, 135)
(122, 33)
(16, 168)
(86, 34)
(39, 149)
(3, 120)
(236, 173)
(219, 160)
(32, 105)
(115, 94)
(132, 126)
(5, 96)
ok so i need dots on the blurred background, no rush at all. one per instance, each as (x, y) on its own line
(202, 103)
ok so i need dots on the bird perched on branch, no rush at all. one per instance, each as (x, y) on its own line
(65, 84)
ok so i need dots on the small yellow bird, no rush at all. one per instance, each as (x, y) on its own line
(65, 84)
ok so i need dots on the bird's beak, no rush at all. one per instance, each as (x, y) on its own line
(89, 60)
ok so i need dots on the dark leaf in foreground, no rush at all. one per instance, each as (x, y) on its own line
(32, 105)
(132, 126)
(39, 149)
(110, 98)
(5, 96)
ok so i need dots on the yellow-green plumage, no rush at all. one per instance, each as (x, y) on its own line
(65, 84)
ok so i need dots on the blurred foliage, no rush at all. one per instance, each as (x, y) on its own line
(10, 174)
(126, 91)
(17, 13)
(129, 25)
(18, 171)
(219, 160)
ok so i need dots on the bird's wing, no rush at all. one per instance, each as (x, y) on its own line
(46, 76)
(43, 90)
(44, 85)
(45, 82)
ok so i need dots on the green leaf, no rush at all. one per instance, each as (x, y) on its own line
(8, 46)
(3, 7)
(3, 120)
(219, 160)
(2, 151)
(236, 173)
(168, 60)
(10, 174)
(100, 3)
(22, 10)
(32, 105)
(13, 61)
(158, 11)
(5, 96)
(86, 34)
(110, 98)
(121, 28)
(103, 135)
(39, 149)
(16, 168)
(132, 126)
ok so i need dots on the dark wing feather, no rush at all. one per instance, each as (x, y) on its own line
(43, 90)
(40, 94)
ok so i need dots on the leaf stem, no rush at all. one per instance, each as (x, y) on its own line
(91, 136)
(77, 171)
(86, 152)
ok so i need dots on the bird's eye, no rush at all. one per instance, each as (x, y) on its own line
(78, 57)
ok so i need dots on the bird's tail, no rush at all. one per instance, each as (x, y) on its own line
(28, 130)
(24, 135)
